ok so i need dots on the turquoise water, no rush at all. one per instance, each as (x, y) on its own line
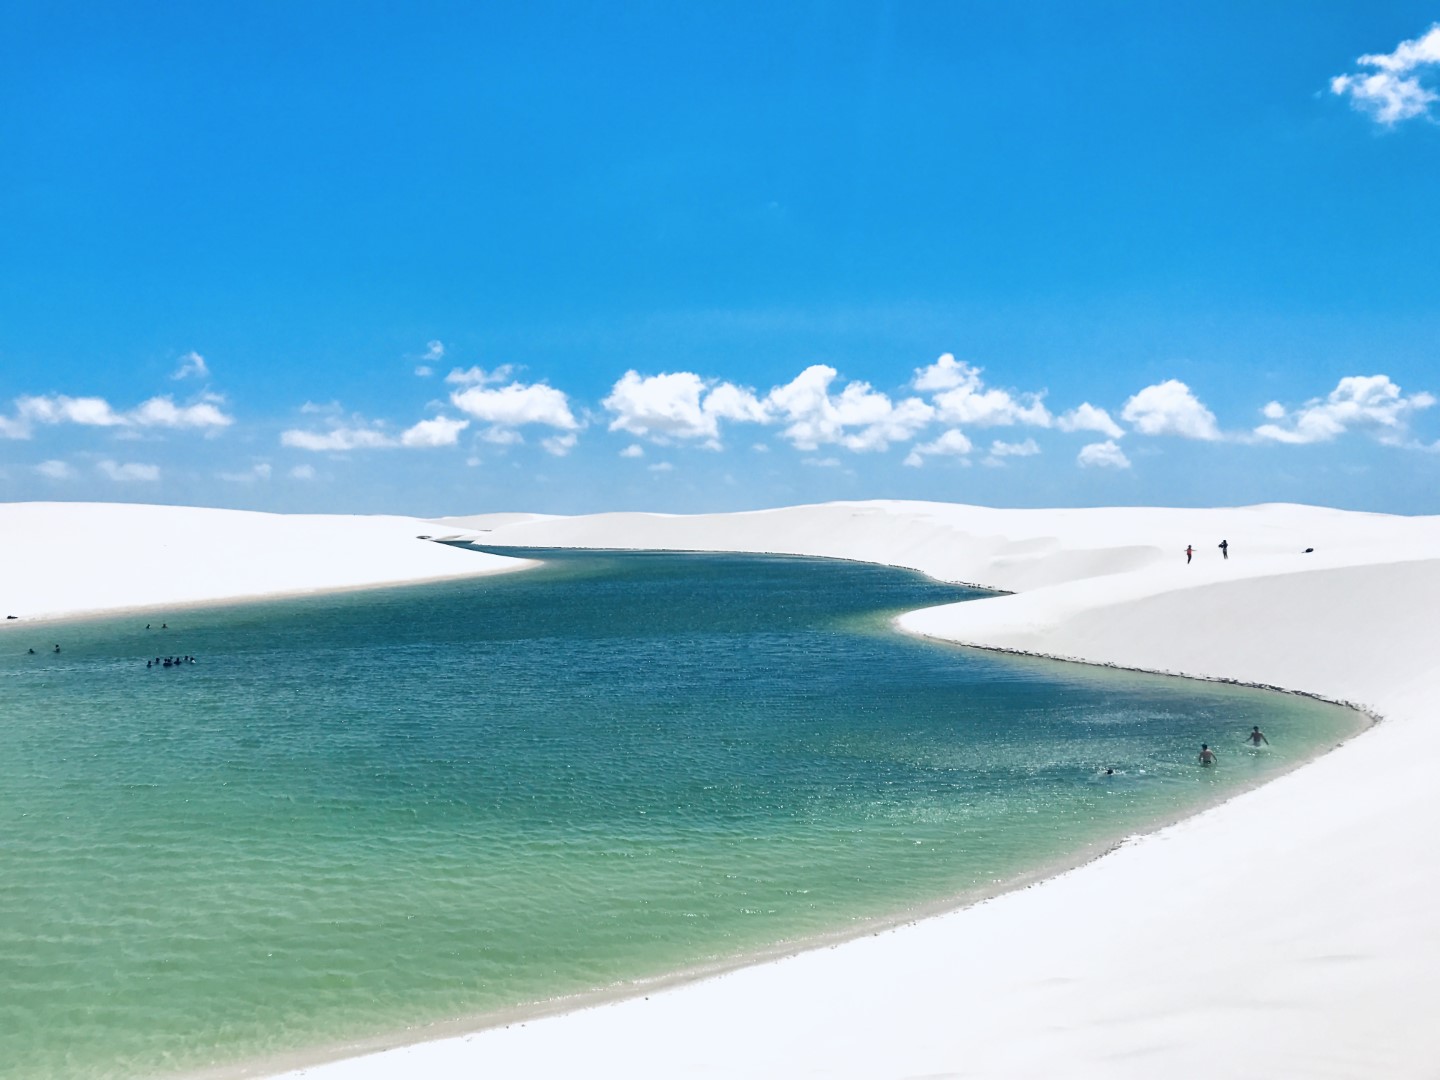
(361, 812)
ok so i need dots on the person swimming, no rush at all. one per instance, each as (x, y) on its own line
(1256, 736)
(1207, 756)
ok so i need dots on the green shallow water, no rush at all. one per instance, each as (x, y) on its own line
(362, 812)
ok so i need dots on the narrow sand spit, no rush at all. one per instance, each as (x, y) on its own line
(1289, 932)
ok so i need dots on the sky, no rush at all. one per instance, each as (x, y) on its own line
(458, 258)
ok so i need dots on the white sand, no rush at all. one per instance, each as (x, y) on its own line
(62, 559)
(1292, 932)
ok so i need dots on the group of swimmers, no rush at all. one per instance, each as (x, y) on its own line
(1255, 738)
(169, 661)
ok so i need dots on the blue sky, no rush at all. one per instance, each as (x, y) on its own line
(568, 258)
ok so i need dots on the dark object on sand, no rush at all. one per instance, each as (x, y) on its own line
(12, 616)
(1307, 551)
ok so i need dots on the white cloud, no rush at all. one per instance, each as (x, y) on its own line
(963, 399)
(1102, 455)
(13, 429)
(192, 365)
(945, 374)
(97, 412)
(1007, 449)
(257, 472)
(517, 404)
(502, 436)
(634, 450)
(89, 411)
(55, 470)
(821, 463)
(440, 431)
(559, 445)
(360, 435)
(478, 376)
(679, 405)
(1169, 408)
(434, 353)
(303, 472)
(338, 440)
(1087, 417)
(1369, 402)
(1393, 91)
(163, 412)
(858, 418)
(324, 408)
(952, 443)
(129, 472)
(661, 466)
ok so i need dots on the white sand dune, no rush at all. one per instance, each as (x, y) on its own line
(1292, 932)
(60, 559)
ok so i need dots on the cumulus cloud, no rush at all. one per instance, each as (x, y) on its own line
(158, 412)
(55, 470)
(478, 376)
(952, 443)
(634, 450)
(1392, 90)
(130, 472)
(257, 472)
(679, 406)
(1169, 408)
(1365, 402)
(163, 412)
(303, 472)
(89, 411)
(434, 353)
(945, 374)
(192, 366)
(441, 431)
(1102, 455)
(360, 435)
(560, 445)
(961, 397)
(339, 439)
(1008, 449)
(516, 404)
(502, 436)
(1087, 417)
(859, 417)
(13, 429)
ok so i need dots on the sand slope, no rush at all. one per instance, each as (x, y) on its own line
(70, 558)
(1290, 932)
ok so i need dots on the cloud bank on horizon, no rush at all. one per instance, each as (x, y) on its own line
(862, 276)
(936, 415)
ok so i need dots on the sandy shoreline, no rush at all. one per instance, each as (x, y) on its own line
(1288, 931)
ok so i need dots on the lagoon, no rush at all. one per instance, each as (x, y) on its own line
(364, 812)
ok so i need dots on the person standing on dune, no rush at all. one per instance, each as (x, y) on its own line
(1225, 548)
(1189, 553)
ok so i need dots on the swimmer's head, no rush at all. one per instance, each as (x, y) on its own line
(1204, 746)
